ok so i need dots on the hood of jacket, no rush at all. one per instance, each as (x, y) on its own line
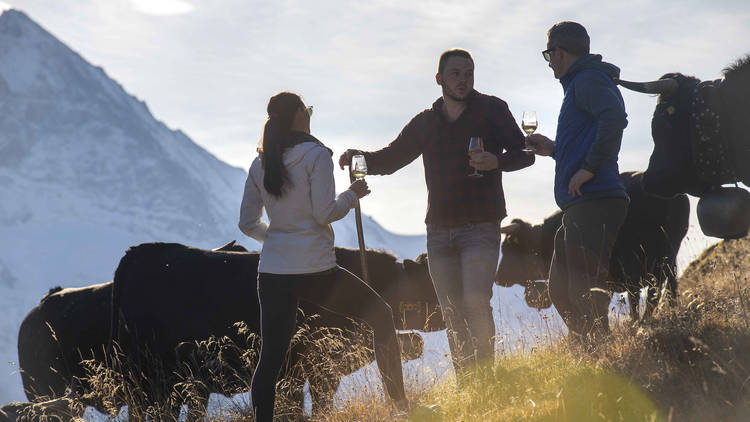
(590, 61)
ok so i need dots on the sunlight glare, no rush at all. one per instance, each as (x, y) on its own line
(162, 7)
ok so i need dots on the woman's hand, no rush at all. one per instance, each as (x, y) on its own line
(360, 188)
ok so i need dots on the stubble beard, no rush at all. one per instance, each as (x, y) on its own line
(447, 92)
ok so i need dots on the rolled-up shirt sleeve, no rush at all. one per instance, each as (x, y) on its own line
(326, 208)
(251, 210)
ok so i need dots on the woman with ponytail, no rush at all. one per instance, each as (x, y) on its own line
(292, 178)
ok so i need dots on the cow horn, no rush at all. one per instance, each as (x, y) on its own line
(226, 247)
(510, 228)
(666, 86)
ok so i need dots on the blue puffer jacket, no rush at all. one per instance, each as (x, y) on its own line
(589, 131)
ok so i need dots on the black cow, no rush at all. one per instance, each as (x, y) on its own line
(168, 294)
(67, 327)
(70, 325)
(644, 254)
(700, 131)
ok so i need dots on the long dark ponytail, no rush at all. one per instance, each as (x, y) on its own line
(276, 133)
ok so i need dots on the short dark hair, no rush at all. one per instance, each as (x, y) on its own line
(571, 36)
(454, 52)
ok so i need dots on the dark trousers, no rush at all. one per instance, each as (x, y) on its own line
(336, 290)
(580, 264)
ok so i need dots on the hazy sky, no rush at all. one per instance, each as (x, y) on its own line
(209, 67)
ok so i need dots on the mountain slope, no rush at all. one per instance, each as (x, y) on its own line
(66, 124)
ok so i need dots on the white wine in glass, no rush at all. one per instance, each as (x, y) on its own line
(359, 167)
(529, 125)
(475, 147)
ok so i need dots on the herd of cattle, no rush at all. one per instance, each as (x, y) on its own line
(167, 298)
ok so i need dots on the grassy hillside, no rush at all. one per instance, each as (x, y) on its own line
(690, 362)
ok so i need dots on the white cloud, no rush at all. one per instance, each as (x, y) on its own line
(4, 6)
(162, 7)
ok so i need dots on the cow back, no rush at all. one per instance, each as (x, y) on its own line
(407, 287)
(68, 326)
(165, 294)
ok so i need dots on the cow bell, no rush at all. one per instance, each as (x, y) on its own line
(724, 212)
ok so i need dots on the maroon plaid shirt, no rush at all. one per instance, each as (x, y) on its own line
(454, 199)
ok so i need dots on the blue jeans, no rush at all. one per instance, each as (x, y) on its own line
(463, 263)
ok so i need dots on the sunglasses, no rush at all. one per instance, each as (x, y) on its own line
(546, 53)
(309, 111)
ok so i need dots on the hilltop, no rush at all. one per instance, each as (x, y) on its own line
(725, 261)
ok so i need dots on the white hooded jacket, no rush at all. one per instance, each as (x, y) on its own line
(299, 236)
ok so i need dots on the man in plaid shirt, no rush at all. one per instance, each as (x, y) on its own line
(463, 212)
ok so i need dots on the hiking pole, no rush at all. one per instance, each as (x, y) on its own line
(358, 170)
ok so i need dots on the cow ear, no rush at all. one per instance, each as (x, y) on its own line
(412, 266)
(420, 262)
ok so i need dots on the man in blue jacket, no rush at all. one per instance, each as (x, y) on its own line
(587, 183)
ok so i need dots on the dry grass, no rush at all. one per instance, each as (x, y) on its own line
(225, 366)
(691, 362)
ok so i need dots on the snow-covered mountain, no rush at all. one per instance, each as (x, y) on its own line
(87, 171)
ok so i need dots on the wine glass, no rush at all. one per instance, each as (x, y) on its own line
(476, 146)
(529, 124)
(359, 166)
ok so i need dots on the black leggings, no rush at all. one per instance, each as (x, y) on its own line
(336, 290)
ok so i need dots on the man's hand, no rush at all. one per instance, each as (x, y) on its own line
(346, 158)
(579, 178)
(483, 161)
(541, 144)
